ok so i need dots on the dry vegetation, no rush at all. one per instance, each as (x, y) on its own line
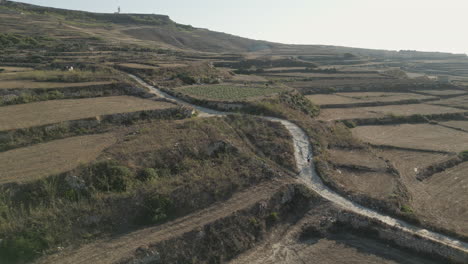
(49, 112)
(51, 158)
(422, 136)
(383, 111)
(133, 178)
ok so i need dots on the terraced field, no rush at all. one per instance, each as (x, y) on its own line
(364, 97)
(460, 102)
(382, 111)
(421, 136)
(228, 92)
(41, 160)
(20, 84)
(49, 112)
(463, 125)
(443, 92)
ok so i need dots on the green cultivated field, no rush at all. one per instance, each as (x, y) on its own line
(228, 92)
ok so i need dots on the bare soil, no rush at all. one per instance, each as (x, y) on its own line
(456, 124)
(420, 136)
(20, 84)
(442, 92)
(438, 200)
(460, 102)
(49, 112)
(382, 111)
(363, 97)
(41, 160)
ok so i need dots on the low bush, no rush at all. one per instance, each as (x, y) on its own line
(108, 176)
(148, 174)
(464, 155)
(156, 209)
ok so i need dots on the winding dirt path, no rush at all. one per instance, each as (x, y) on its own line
(112, 250)
(309, 176)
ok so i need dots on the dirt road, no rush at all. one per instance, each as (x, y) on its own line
(310, 177)
(115, 249)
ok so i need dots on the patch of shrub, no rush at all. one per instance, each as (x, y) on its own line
(406, 209)
(23, 247)
(464, 155)
(156, 209)
(349, 123)
(108, 176)
(148, 174)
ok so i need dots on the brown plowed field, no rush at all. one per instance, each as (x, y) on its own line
(382, 111)
(364, 97)
(456, 124)
(41, 160)
(49, 112)
(45, 85)
(460, 101)
(440, 199)
(420, 136)
(443, 92)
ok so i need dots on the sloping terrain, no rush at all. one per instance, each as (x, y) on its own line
(120, 145)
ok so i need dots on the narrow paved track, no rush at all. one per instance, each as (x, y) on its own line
(310, 177)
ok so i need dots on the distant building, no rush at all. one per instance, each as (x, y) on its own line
(118, 10)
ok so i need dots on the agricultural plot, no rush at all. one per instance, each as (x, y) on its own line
(420, 136)
(326, 75)
(443, 92)
(45, 85)
(8, 69)
(49, 112)
(361, 172)
(364, 97)
(382, 111)
(228, 92)
(460, 102)
(247, 78)
(456, 124)
(446, 203)
(436, 199)
(384, 97)
(330, 99)
(138, 66)
(37, 161)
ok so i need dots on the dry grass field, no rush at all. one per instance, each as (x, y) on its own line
(138, 66)
(440, 199)
(8, 69)
(38, 161)
(364, 97)
(382, 111)
(362, 172)
(384, 97)
(326, 75)
(420, 136)
(447, 193)
(248, 78)
(23, 84)
(330, 99)
(443, 92)
(460, 102)
(456, 124)
(49, 112)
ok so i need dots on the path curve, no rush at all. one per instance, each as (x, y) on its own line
(309, 176)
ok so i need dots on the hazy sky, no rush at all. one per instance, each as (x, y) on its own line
(426, 25)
